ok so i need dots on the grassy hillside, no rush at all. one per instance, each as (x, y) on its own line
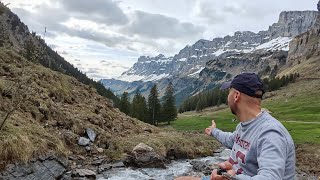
(52, 111)
(297, 106)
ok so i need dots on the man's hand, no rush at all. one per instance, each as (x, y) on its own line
(208, 130)
(225, 165)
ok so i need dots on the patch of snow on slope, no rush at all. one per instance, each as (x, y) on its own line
(183, 59)
(280, 43)
(197, 72)
(155, 77)
(219, 52)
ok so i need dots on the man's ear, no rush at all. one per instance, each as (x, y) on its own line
(237, 96)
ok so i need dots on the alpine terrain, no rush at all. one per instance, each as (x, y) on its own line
(207, 63)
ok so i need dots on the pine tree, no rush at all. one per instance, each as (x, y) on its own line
(124, 103)
(139, 108)
(154, 106)
(169, 110)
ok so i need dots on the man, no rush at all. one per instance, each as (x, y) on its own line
(261, 146)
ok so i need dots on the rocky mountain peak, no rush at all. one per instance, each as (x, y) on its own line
(292, 23)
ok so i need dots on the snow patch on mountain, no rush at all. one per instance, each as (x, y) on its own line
(280, 43)
(155, 77)
(196, 73)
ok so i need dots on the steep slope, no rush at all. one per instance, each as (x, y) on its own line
(304, 53)
(14, 34)
(55, 105)
(52, 112)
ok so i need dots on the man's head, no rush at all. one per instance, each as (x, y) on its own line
(245, 89)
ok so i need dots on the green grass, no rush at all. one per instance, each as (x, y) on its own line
(305, 107)
(304, 133)
(300, 106)
(198, 122)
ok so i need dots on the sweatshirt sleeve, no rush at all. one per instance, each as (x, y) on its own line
(271, 156)
(225, 138)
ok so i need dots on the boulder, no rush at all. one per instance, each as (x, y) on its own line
(118, 165)
(99, 150)
(98, 162)
(200, 166)
(143, 155)
(83, 141)
(91, 134)
(103, 168)
(83, 173)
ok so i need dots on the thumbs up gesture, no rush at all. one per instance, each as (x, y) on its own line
(208, 130)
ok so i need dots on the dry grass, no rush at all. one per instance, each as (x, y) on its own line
(55, 114)
(21, 140)
(184, 145)
(307, 68)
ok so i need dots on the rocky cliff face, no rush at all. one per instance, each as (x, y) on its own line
(305, 45)
(292, 23)
(304, 53)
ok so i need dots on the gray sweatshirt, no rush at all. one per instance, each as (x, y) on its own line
(262, 148)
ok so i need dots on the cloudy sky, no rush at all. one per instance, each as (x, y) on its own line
(105, 37)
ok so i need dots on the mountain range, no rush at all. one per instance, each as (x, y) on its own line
(207, 63)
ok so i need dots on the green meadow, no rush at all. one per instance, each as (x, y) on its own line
(299, 112)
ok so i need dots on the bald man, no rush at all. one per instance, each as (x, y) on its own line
(261, 146)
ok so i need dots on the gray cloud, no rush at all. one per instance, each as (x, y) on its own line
(235, 9)
(108, 40)
(55, 28)
(209, 11)
(147, 26)
(113, 65)
(160, 26)
(94, 70)
(45, 17)
(103, 11)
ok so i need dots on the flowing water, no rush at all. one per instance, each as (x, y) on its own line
(173, 170)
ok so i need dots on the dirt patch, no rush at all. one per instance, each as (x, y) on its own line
(308, 158)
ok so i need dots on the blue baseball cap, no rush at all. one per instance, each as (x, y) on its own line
(247, 83)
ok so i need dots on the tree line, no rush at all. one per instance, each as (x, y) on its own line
(208, 98)
(153, 110)
(215, 97)
(272, 84)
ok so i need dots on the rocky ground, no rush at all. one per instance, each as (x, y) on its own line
(142, 156)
